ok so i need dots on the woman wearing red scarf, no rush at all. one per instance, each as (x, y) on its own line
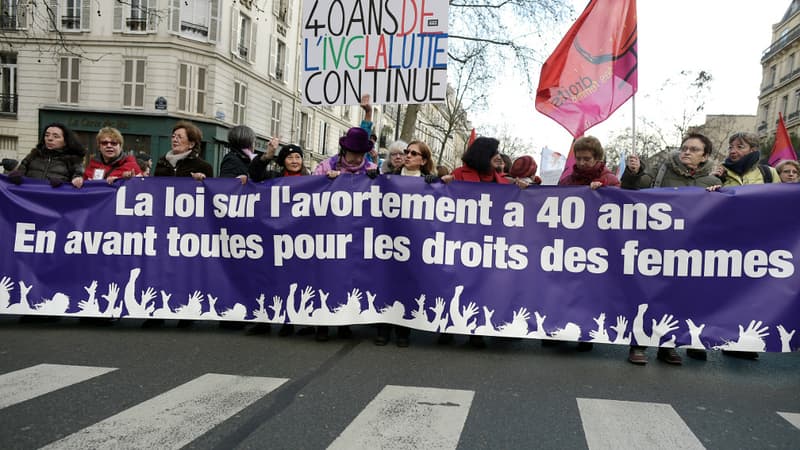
(590, 166)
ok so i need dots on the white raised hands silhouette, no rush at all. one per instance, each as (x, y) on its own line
(306, 303)
(371, 315)
(619, 329)
(518, 327)
(163, 312)
(260, 313)
(659, 329)
(461, 316)
(750, 339)
(6, 286)
(540, 333)
(487, 329)
(55, 306)
(212, 309)
(134, 307)
(394, 313)
(112, 309)
(90, 305)
(291, 309)
(352, 308)
(694, 332)
(786, 338)
(237, 312)
(193, 308)
(600, 334)
(570, 332)
(277, 314)
(148, 300)
(323, 313)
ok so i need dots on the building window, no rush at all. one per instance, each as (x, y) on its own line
(772, 72)
(784, 104)
(191, 88)
(13, 14)
(239, 102)
(278, 66)
(74, 15)
(133, 83)
(135, 16)
(797, 100)
(69, 81)
(790, 64)
(323, 137)
(275, 121)
(305, 130)
(196, 19)
(8, 83)
(282, 10)
(8, 145)
(243, 36)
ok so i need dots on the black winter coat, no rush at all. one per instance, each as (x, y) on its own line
(62, 165)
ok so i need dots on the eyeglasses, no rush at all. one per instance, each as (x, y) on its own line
(412, 152)
(789, 171)
(104, 143)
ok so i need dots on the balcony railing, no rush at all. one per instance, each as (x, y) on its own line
(792, 116)
(781, 43)
(194, 28)
(71, 22)
(8, 103)
(762, 126)
(8, 22)
(136, 23)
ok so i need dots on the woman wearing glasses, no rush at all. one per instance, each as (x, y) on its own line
(183, 160)
(57, 158)
(688, 166)
(742, 164)
(789, 171)
(110, 163)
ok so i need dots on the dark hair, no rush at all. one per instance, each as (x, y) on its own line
(506, 162)
(241, 137)
(71, 143)
(193, 133)
(707, 146)
(479, 155)
(426, 168)
(591, 144)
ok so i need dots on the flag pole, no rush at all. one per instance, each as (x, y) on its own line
(633, 124)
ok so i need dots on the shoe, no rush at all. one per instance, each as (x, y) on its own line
(669, 356)
(444, 339)
(321, 334)
(585, 346)
(477, 341)
(696, 353)
(287, 329)
(153, 323)
(259, 329)
(740, 355)
(402, 342)
(344, 332)
(637, 355)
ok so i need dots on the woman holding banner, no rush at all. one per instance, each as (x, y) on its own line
(742, 164)
(183, 160)
(110, 163)
(688, 166)
(57, 158)
(590, 166)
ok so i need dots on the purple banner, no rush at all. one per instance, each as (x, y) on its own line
(668, 267)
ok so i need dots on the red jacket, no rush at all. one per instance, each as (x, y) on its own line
(99, 170)
(586, 177)
(465, 173)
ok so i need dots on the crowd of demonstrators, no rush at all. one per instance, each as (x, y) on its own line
(789, 171)
(110, 163)
(742, 166)
(688, 166)
(590, 166)
(236, 163)
(58, 158)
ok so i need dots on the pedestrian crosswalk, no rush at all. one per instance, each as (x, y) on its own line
(397, 417)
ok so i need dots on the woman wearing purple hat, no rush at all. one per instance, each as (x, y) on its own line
(352, 148)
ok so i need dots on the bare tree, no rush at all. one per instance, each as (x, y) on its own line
(507, 29)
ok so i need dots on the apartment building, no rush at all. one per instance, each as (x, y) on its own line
(780, 85)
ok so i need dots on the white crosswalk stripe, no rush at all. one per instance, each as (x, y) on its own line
(25, 384)
(401, 417)
(174, 418)
(792, 418)
(609, 424)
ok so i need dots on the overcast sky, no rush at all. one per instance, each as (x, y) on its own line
(723, 37)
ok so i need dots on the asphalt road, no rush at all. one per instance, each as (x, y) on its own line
(514, 393)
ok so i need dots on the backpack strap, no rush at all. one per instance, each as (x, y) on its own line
(660, 175)
(766, 173)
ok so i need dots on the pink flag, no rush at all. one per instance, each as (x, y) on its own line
(782, 149)
(570, 162)
(593, 71)
(472, 138)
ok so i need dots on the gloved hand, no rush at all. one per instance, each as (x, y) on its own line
(372, 173)
(15, 176)
(55, 182)
(431, 178)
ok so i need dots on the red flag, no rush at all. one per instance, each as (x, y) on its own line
(570, 162)
(471, 138)
(593, 71)
(782, 148)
